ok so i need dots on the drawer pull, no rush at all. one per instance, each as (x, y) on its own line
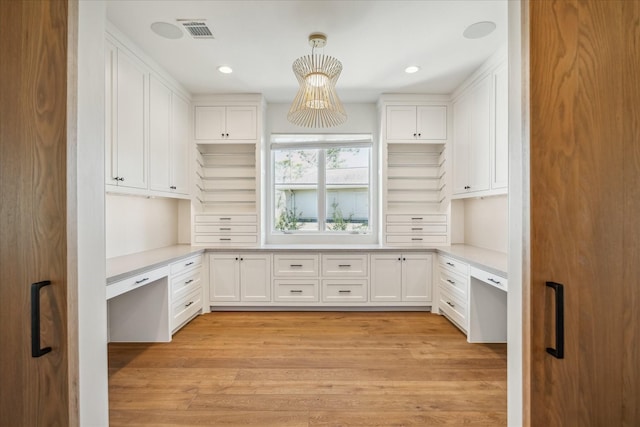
(295, 265)
(296, 291)
(417, 218)
(225, 219)
(416, 238)
(344, 265)
(451, 281)
(187, 305)
(344, 291)
(141, 280)
(492, 280)
(452, 305)
(225, 228)
(188, 281)
(416, 228)
(451, 264)
(225, 239)
(189, 263)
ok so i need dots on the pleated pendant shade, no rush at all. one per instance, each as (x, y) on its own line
(316, 104)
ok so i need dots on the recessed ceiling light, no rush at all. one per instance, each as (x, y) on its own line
(479, 30)
(225, 69)
(166, 30)
(412, 69)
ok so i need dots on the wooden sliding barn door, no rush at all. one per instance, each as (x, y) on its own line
(34, 372)
(585, 213)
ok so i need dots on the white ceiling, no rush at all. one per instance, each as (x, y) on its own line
(374, 40)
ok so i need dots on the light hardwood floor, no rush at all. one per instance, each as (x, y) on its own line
(309, 369)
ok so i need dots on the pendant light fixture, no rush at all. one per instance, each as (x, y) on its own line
(316, 104)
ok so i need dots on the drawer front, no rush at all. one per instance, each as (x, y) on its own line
(345, 265)
(226, 219)
(454, 265)
(489, 278)
(417, 229)
(295, 265)
(186, 307)
(415, 240)
(186, 265)
(458, 284)
(452, 308)
(134, 282)
(226, 240)
(225, 228)
(185, 284)
(296, 290)
(417, 218)
(344, 290)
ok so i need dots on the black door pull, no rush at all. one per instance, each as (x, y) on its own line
(558, 352)
(36, 351)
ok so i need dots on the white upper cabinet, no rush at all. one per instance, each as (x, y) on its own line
(168, 140)
(480, 136)
(147, 125)
(126, 136)
(407, 123)
(500, 140)
(226, 124)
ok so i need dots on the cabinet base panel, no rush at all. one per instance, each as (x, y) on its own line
(318, 308)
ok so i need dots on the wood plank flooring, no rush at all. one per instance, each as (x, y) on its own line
(295, 369)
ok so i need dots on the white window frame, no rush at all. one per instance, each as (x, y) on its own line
(321, 141)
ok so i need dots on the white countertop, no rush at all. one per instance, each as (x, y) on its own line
(124, 266)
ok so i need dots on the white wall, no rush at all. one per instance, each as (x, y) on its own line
(136, 224)
(92, 308)
(519, 239)
(486, 222)
(361, 118)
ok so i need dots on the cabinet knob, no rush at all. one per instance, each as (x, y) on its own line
(222, 135)
(226, 134)
(121, 178)
(419, 135)
(173, 187)
(415, 134)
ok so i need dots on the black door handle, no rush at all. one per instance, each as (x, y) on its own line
(558, 352)
(36, 351)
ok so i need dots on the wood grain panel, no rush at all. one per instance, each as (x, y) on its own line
(33, 202)
(630, 82)
(585, 169)
(303, 369)
(554, 205)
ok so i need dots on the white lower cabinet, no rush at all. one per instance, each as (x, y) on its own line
(453, 289)
(244, 277)
(401, 277)
(186, 291)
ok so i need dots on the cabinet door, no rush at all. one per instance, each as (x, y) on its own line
(417, 277)
(461, 143)
(159, 135)
(386, 275)
(241, 123)
(255, 274)
(130, 122)
(224, 278)
(111, 152)
(179, 145)
(210, 123)
(431, 122)
(401, 123)
(480, 149)
(500, 139)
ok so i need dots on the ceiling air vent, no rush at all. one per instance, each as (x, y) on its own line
(197, 28)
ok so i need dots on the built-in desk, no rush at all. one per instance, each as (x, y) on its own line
(152, 294)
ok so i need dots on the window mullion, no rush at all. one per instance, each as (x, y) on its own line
(322, 183)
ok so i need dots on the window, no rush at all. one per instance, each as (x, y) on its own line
(321, 186)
